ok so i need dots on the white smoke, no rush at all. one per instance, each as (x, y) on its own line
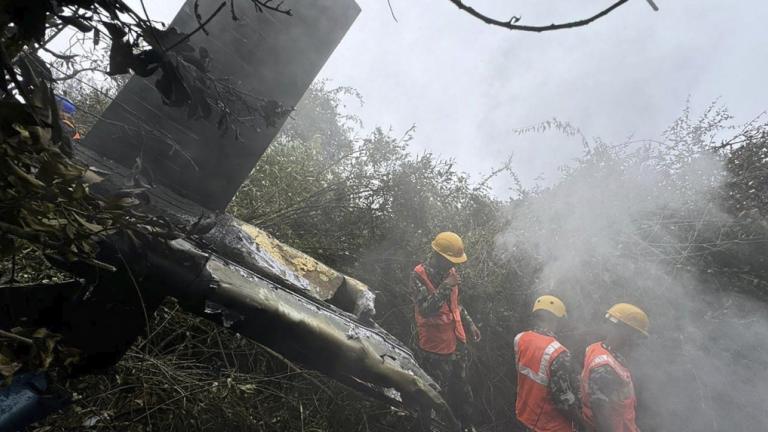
(634, 223)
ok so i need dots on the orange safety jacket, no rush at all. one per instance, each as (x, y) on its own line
(534, 354)
(72, 129)
(623, 419)
(439, 333)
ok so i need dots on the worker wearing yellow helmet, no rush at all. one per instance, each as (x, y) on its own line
(441, 320)
(608, 393)
(546, 396)
(67, 111)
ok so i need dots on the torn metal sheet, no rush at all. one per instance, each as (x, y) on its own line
(302, 328)
(258, 251)
(361, 295)
(228, 316)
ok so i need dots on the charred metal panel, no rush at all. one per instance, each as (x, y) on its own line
(256, 249)
(306, 330)
(244, 244)
(267, 56)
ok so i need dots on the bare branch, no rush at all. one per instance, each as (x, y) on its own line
(78, 72)
(59, 56)
(507, 166)
(511, 23)
(653, 5)
(392, 11)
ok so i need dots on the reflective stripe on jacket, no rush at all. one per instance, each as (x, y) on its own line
(623, 419)
(534, 354)
(439, 333)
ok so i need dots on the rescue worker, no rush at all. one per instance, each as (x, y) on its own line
(546, 396)
(608, 394)
(67, 111)
(441, 322)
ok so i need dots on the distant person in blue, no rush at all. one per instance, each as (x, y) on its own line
(67, 111)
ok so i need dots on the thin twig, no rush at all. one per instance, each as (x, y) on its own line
(78, 72)
(392, 11)
(138, 290)
(158, 328)
(151, 27)
(168, 402)
(200, 27)
(293, 366)
(267, 4)
(507, 165)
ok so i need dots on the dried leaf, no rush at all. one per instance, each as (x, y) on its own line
(92, 227)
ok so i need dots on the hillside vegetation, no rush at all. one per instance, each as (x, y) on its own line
(677, 225)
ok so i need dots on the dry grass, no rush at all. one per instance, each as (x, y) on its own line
(191, 375)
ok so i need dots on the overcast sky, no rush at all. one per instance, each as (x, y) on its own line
(466, 85)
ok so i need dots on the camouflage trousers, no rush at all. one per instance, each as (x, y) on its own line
(450, 373)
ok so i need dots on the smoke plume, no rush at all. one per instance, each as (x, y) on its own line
(646, 224)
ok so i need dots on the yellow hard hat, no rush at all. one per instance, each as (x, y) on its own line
(630, 315)
(450, 246)
(552, 304)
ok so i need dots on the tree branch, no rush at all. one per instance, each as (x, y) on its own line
(201, 26)
(506, 167)
(392, 11)
(511, 24)
(268, 4)
(78, 72)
